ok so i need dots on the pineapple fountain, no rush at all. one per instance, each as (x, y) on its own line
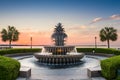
(59, 54)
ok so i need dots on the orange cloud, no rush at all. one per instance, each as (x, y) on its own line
(44, 38)
(38, 38)
(78, 27)
(74, 37)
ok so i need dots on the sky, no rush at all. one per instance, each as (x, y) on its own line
(82, 19)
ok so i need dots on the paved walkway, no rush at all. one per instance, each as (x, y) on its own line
(54, 75)
(75, 73)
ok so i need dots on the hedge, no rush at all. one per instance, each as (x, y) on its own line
(9, 68)
(18, 50)
(100, 50)
(118, 78)
(109, 67)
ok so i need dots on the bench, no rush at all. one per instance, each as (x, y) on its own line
(25, 72)
(94, 72)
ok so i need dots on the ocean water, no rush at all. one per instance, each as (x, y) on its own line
(77, 46)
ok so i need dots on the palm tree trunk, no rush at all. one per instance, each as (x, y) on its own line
(10, 44)
(108, 42)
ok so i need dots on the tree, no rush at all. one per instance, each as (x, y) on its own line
(10, 34)
(107, 34)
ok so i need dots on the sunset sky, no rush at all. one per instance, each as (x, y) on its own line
(82, 19)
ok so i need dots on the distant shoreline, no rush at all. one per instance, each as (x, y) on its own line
(40, 46)
(44, 45)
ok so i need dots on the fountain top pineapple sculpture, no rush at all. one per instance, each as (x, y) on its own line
(59, 35)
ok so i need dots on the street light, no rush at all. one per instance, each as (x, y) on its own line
(95, 42)
(31, 41)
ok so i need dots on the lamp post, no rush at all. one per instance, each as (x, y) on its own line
(95, 42)
(31, 41)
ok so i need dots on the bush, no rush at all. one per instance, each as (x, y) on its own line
(100, 50)
(9, 68)
(85, 49)
(105, 50)
(118, 78)
(18, 50)
(117, 52)
(109, 67)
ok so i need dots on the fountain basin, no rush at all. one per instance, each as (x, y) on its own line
(70, 58)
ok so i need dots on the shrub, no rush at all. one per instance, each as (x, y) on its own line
(18, 50)
(9, 68)
(100, 50)
(118, 78)
(109, 67)
(85, 49)
(104, 50)
(117, 52)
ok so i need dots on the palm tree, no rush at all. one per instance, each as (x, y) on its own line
(107, 34)
(10, 34)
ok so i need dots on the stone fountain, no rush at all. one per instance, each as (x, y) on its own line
(59, 54)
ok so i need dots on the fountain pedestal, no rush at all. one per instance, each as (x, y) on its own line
(59, 50)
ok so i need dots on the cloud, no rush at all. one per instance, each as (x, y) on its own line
(82, 28)
(78, 27)
(97, 20)
(115, 17)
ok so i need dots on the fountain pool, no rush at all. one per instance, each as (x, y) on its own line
(43, 72)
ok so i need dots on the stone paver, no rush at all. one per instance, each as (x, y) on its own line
(78, 75)
(20, 78)
(98, 78)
